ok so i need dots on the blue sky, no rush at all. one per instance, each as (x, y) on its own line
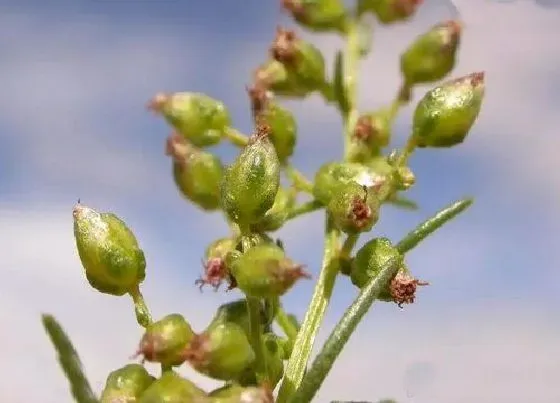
(75, 80)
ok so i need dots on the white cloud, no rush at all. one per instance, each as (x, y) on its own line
(72, 90)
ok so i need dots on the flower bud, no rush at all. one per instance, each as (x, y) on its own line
(275, 218)
(445, 115)
(390, 11)
(126, 384)
(371, 133)
(222, 352)
(265, 271)
(215, 265)
(277, 78)
(197, 117)
(197, 173)
(250, 184)
(109, 252)
(332, 175)
(283, 126)
(432, 55)
(233, 393)
(318, 15)
(165, 340)
(301, 58)
(234, 312)
(172, 388)
(354, 208)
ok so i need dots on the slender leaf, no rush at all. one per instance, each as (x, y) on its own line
(69, 361)
(338, 84)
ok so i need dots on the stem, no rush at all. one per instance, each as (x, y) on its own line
(426, 228)
(320, 300)
(351, 59)
(69, 361)
(286, 324)
(141, 310)
(299, 180)
(255, 326)
(409, 148)
(348, 245)
(304, 208)
(235, 137)
(342, 332)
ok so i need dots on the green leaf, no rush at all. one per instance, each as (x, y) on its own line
(69, 361)
(404, 203)
(338, 84)
(429, 226)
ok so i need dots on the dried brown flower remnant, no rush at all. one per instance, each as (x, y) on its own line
(403, 288)
(283, 47)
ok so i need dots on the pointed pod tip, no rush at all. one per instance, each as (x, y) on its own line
(157, 102)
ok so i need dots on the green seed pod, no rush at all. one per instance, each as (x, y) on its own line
(215, 264)
(222, 352)
(126, 384)
(369, 260)
(318, 15)
(445, 115)
(282, 81)
(197, 117)
(265, 271)
(234, 312)
(172, 388)
(371, 134)
(197, 173)
(109, 252)
(253, 239)
(354, 208)
(332, 175)
(166, 340)
(275, 218)
(250, 184)
(283, 130)
(302, 58)
(432, 55)
(390, 11)
(238, 394)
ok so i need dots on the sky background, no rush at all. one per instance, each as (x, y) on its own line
(75, 78)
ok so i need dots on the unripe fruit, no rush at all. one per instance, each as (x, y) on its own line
(368, 263)
(445, 115)
(222, 352)
(197, 117)
(250, 184)
(276, 77)
(166, 340)
(215, 265)
(283, 129)
(432, 55)
(126, 384)
(172, 388)
(318, 15)
(265, 271)
(301, 58)
(371, 133)
(238, 394)
(274, 357)
(332, 175)
(354, 208)
(109, 252)
(197, 173)
(390, 11)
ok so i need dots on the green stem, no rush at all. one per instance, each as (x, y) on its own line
(141, 310)
(286, 324)
(320, 300)
(426, 228)
(299, 180)
(304, 208)
(235, 137)
(342, 332)
(407, 151)
(351, 60)
(69, 361)
(255, 326)
(348, 246)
